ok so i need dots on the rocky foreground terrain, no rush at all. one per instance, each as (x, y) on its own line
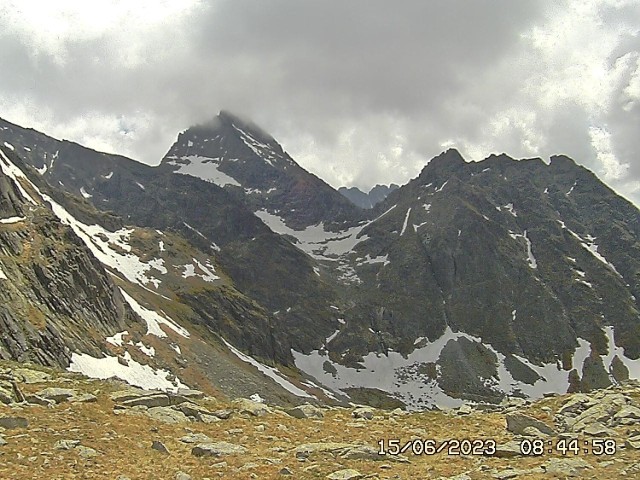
(61, 425)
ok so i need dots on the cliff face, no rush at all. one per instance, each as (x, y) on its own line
(54, 295)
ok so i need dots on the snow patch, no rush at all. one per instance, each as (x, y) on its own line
(84, 193)
(148, 351)
(205, 168)
(117, 339)
(153, 319)
(12, 220)
(14, 173)
(9, 146)
(2, 275)
(406, 220)
(315, 240)
(108, 176)
(134, 373)
(589, 244)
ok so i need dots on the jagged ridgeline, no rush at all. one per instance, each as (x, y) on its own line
(474, 281)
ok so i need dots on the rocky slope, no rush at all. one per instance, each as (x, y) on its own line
(210, 218)
(141, 304)
(474, 281)
(62, 425)
(54, 296)
(497, 276)
(240, 157)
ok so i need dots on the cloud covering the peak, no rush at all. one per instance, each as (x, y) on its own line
(358, 92)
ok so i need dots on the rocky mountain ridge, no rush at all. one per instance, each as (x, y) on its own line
(473, 281)
(369, 199)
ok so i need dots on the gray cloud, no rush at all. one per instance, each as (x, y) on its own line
(358, 92)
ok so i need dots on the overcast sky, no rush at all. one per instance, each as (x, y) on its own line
(358, 92)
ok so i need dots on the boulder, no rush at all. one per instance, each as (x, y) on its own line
(305, 411)
(59, 395)
(167, 415)
(347, 474)
(518, 422)
(217, 449)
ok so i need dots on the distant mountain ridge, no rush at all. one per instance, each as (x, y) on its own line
(369, 199)
(475, 280)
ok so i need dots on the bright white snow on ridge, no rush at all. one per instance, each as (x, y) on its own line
(205, 168)
(588, 244)
(13, 172)
(406, 220)
(134, 373)
(153, 319)
(270, 372)
(129, 265)
(12, 220)
(2, 275)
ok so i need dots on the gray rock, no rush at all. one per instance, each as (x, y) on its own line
(182, 476)
(6, 396)
(224, 414)
(38, 400)
(59, 395)
(256, 409)
(366, 452)
(508, 450)
(308, 449)
(31, 376)
(565, 466)
(285, 471)
(190, 393)
(86, 452)
(346, 474)
(158, 446)
(167, 415)
(506, 474)
(193, 410)
(2, 441)
(129, 394)
(66, 444)
(149, 401)
(464, 409)
(196, 438)
(602, 413)
(596, 429)
(305, 411)
(13, 422)
(84, 398)
(363, 412)
(576, 404)
(632, 443)
(518, 422)
(209, 418)
(627, 415)
(217, 449)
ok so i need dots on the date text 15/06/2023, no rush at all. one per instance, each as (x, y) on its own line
(528, 447)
